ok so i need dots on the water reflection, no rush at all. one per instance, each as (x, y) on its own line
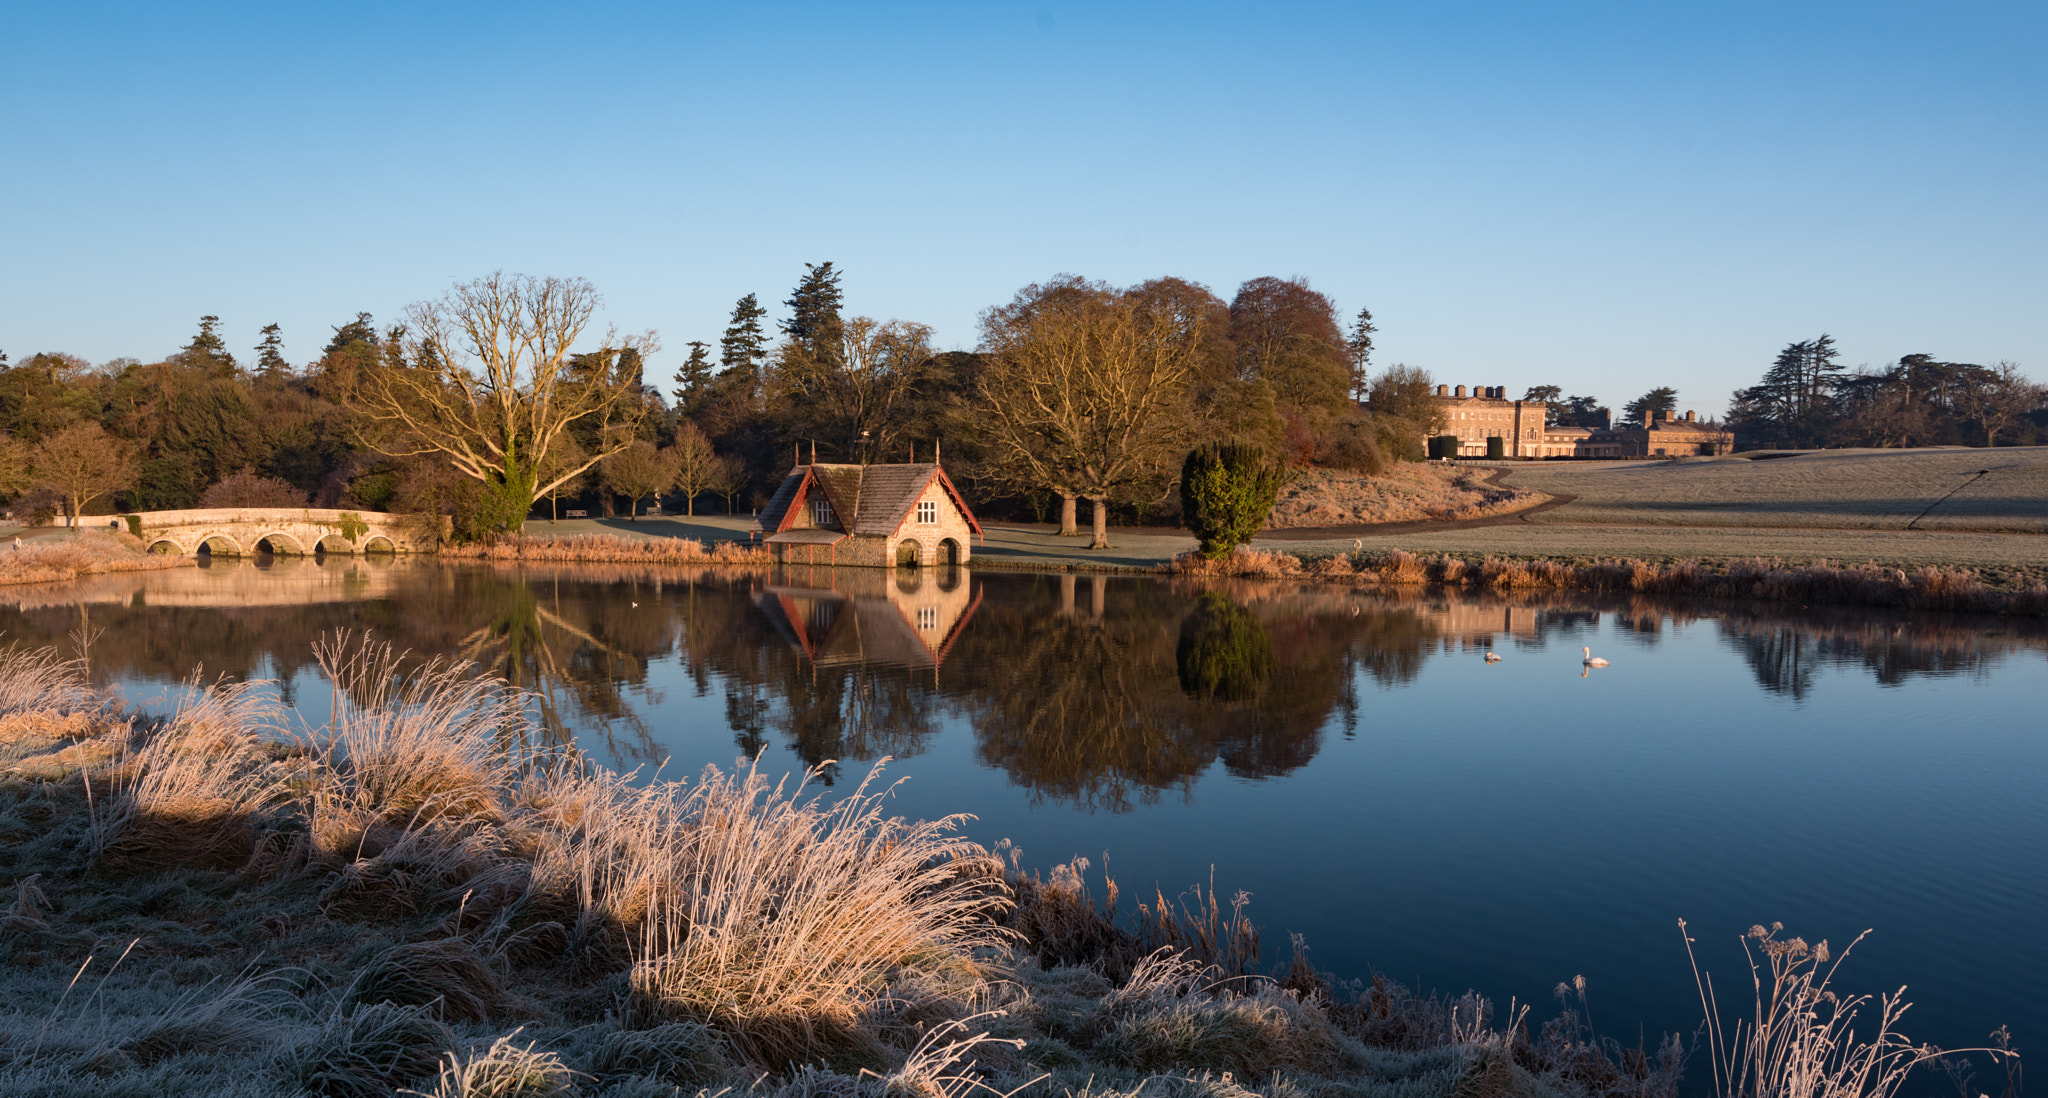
(1096, 692)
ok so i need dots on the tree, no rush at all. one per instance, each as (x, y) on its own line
(1582, 411)
(82, 463)
(852, 396)
(697, 467)
(693, 375)
(1360, 345)
(270, 363)
(814, 311)
(744, 347)
(569, 455)
(1408, 393)
(2002, 397)
(208, 351)
(728, 479)
(1661, 400)
(1086, 390)
(249, 489)
(359, 330)
(1226, 493)
(639, 471)
(484, 384)
(1549, 395)
(15, 471)
(1287, 336)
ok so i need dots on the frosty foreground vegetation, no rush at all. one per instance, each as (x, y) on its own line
(414, 897)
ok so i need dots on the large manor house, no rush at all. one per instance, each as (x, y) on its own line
(1487, 424)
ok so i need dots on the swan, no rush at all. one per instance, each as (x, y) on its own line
(1593, 660)
(1492, 657)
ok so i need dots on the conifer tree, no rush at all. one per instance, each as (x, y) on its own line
(270, 353)
(745, 346)
(359, 330)
(694, 374)
(814, 311)
(209, 350)
(1360, 344)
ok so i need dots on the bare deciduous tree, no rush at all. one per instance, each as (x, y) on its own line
(639, 471)
(858, 390)
(697, 466)
(486, 385)
(567, 456)
(82, 463)
(1086, 390)
(2002, 397)
(728, 479)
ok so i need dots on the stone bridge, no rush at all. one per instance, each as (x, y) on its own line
(287, 531)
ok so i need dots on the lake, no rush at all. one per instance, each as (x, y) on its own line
(1345, 756)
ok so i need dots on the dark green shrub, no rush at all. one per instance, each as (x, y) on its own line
(1226, 492)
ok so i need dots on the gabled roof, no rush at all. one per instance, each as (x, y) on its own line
(841, 484)
(869, 500)
(786, 496)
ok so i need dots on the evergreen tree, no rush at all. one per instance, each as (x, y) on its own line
(359, 330)
(694, 374)
(745, 346)
(814, 311)
(1360, 344)
(1226, 492)
(1661, 399)
(270, 361)
(208, 350)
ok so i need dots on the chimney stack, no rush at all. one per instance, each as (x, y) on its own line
(1461, 390)
(1443, 390)
(1689, 419)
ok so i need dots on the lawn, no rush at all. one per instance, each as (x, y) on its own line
(1841, 490)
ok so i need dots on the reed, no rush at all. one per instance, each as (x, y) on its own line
(610, 549)
(1801, 1040)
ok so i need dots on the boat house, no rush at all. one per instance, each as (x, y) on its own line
(870, 515)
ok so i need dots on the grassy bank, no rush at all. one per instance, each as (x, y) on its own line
(2019, 592)
(63, 557)
(214, 902)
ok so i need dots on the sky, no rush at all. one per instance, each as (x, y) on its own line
(1605, 197)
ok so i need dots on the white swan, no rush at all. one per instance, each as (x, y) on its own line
(1492, 657)
(1593, 660)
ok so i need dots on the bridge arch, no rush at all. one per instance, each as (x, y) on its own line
(334, 543)
(166, 545)
(280, 543)
(379, 544)
(219, 545)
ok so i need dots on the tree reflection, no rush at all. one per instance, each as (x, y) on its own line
(1224, 654)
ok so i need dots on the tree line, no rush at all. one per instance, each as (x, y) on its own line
(498, 398)
(1809, 399)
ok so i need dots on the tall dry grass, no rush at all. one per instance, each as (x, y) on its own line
(611, 549)
(776, 919)
(61, 557)
(1801, 1038)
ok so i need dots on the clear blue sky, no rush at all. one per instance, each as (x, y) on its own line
(1601, 196)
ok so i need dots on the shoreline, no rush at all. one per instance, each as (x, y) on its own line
(345, 910)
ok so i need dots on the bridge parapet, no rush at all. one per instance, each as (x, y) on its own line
(293, 531)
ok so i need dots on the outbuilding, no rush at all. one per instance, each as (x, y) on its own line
(876, 516)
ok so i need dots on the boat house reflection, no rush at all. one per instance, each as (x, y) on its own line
(833, 617)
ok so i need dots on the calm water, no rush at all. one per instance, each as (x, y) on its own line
(1348, 759)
